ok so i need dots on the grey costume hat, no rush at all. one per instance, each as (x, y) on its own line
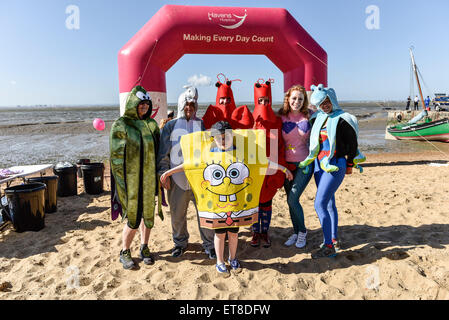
(189, 95)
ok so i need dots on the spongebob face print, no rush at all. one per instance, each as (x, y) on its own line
(226, 184)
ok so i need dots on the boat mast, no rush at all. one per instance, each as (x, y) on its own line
(417, 79)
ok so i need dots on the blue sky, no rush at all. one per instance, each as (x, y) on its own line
(43, 62)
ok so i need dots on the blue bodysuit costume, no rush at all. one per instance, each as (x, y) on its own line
(333, 147)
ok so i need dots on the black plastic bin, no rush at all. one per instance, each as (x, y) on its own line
(26, 206)
(67, 182)
(80, 162)
(51, 199)
(93, 176)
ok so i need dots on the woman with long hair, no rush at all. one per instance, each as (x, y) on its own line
(296, 132)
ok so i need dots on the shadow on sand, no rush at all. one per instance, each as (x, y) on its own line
(402, 163)
(392, 242)
(57, 225)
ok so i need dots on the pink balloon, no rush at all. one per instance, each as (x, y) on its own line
(99, 124)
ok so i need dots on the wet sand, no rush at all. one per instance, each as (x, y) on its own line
(394, 227)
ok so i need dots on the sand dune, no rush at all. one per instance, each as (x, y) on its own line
(394, 226)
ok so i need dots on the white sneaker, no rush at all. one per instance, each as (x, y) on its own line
(301, 240)
(291, 240)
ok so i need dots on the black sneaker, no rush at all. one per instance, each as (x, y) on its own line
(324, 252)
(126, 260)
(177, 251)
(211, 253)
(145, 254)
(336, 243)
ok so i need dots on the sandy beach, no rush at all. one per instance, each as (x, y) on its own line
(394, 228)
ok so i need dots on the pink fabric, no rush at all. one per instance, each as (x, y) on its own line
(176, 30)
(296, 134)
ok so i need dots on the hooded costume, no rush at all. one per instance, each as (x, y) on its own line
(334, 118)
(133, 149)
(238, 118)
(266, 119)
(189, 95)
(333, 147)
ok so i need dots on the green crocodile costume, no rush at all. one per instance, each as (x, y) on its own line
(133, 151)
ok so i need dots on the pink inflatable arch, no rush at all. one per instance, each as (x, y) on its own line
(176, 30)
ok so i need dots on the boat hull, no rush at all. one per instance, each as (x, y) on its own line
(436, 131)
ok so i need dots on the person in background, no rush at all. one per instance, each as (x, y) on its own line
(407, 107)
(334, 149)
(162, 123)
(170, 116)
(416, 100)
(134, 141)
(427, 103)
(179, 191)
(296, 132)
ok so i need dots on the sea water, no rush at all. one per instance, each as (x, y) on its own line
(35, 135)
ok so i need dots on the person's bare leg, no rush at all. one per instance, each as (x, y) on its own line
(144, 233)
(127, 237)
(233, 239)
(219, 243)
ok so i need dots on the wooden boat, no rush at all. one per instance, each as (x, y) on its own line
(434, 130)
(414, 130)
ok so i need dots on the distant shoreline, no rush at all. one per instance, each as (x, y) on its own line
(172, 105)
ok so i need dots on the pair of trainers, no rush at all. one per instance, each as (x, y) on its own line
(127, 261)
(259, 237)
(235, 266)
(298, 239)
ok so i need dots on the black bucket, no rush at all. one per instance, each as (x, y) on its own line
(80, 162)
(26, 206)
(93, 176)
(51, 199)
(67, 183)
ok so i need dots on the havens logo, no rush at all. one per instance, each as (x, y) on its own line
(225, 19)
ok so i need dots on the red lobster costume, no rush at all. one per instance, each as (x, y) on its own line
(238, 118)
(266, 119)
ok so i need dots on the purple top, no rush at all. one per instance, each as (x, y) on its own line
(296, 134)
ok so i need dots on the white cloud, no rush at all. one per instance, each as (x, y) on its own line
(13, 82)
(200, 80)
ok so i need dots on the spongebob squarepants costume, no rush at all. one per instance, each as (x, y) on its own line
(226, 184)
